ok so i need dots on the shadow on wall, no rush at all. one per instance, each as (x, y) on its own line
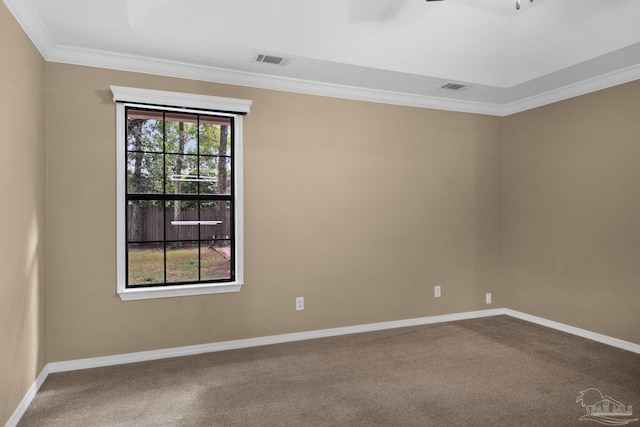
(22, 355)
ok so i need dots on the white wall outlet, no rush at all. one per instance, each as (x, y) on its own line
(299, 303)
(436, 291)
(488, 298)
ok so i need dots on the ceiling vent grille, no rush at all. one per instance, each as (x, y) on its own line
(270, 59)
(455, 86)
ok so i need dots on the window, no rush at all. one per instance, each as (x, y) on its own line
(179, 193)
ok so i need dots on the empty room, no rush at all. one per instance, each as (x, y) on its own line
(341, 213)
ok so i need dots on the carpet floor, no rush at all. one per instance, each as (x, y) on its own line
(494, 371)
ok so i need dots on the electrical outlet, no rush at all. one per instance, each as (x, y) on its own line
(299, 303)
(488, 298)
(436, 291)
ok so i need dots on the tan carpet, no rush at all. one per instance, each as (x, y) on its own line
(495, 371)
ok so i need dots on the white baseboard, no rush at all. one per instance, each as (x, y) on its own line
(593, 336)
(143, 356)
(26, 400)
(191, 350)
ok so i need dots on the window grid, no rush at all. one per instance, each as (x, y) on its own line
(164, 198)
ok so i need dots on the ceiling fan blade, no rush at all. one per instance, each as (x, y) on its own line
(374, 10)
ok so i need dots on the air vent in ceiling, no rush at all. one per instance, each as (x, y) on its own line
(455, 86)
(270, 59)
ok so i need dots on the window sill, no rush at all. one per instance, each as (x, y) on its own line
(177, 291)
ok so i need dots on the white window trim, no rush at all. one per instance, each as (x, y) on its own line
(181, 102)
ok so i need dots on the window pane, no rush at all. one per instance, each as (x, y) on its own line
(179, 208)
(144, 130)
(213, 130)
(215, 260)
(182, 220)
(181, 133)
(145, 221)
(146, 263)
(219, 171)
(218, 211)
(182, 262)
(144, 173)
(181, 174)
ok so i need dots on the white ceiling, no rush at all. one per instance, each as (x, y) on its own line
(394, 51)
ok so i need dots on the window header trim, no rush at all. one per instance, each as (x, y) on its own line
(179, 100)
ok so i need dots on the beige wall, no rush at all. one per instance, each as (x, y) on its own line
(359, 207)
(572, 211)
(22, 292)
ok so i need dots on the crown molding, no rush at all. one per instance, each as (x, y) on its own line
(122, 62)
(28, 18)
(139, 64)
(583, 87)
(26, 15)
